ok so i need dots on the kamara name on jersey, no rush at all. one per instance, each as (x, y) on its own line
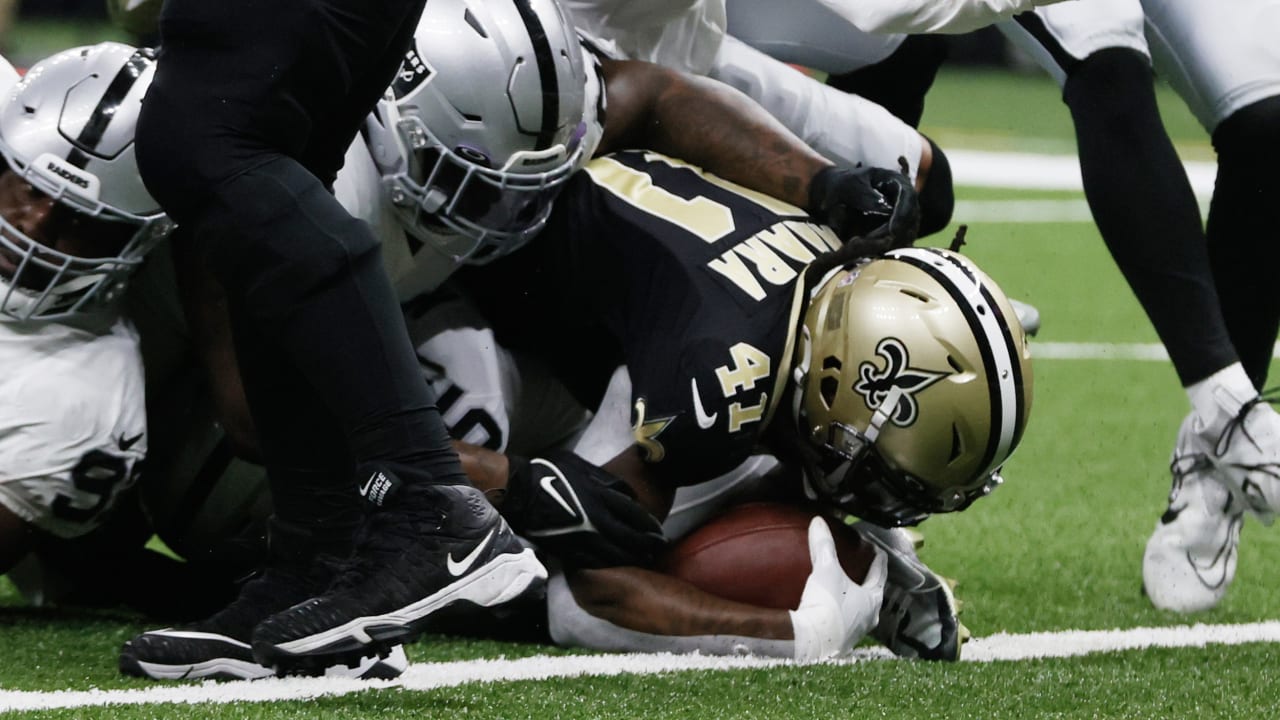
(775, 255)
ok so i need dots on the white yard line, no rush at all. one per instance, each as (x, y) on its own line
(1022, 211)
(1035, 171)
(1038, 171)
(1105, 351)
(430, 676)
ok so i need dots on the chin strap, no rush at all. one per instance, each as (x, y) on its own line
(878, 418)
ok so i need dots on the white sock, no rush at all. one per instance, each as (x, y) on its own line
(1218, 397)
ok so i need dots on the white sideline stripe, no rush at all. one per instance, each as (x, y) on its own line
(1105, 351)
(1022, 211)
(980, 168)
(1029, 211)
(430, 676)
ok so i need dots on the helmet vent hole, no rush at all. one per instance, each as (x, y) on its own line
(955, 365)
(982, 309)
(475, 24)
(828, 387)
(915, 294)
(831, 362)
(957, 447)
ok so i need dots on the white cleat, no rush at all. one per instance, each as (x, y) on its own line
(1220, 469)
(1246, 452)
(1190, 559)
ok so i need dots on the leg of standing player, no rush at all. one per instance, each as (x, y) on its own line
(241, 135)
(1221, 61)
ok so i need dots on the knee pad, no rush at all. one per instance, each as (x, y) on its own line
(937, 198)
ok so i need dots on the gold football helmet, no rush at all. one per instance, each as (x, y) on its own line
(914, 386)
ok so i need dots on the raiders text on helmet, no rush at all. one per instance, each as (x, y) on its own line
(67, 130)
(915, 385)
(491, 112)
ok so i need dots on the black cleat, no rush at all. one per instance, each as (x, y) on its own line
(217, 648)
(429, 547)
(919, 616)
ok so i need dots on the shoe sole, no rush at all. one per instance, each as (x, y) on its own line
(368, 667)
(217, 669)
(225, 658)
(500, 580)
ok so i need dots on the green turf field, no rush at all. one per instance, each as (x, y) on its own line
(1057, 548)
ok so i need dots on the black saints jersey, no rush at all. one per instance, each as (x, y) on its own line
(690, 280)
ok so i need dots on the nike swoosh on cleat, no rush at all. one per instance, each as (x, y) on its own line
(705, 421)
(458, 567)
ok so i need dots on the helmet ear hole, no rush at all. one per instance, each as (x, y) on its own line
(828, 387)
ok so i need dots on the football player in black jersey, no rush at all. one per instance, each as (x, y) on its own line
(899, 385)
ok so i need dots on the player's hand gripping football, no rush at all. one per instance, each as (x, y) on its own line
(581, 514)
(835, 612)
(866, 202)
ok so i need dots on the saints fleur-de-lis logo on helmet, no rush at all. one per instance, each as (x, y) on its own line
(874, 383)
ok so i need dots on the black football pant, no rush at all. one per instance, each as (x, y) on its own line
(241, 135)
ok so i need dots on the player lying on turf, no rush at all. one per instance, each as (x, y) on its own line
(899, 386)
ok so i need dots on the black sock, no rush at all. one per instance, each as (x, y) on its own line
(1145, 208)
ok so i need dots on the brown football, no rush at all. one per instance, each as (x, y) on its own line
(758, 553)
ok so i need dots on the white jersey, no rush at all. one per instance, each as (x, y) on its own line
(1060, 35)
(680, 34)
(928, 16)
(690, 36)
(72, 422)
(686, 34)
(1219, 56)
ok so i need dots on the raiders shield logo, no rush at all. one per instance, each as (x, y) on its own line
(874, 383)
(413, 72)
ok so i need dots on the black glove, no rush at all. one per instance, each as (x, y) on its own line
(579, 513)
(866, 202)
